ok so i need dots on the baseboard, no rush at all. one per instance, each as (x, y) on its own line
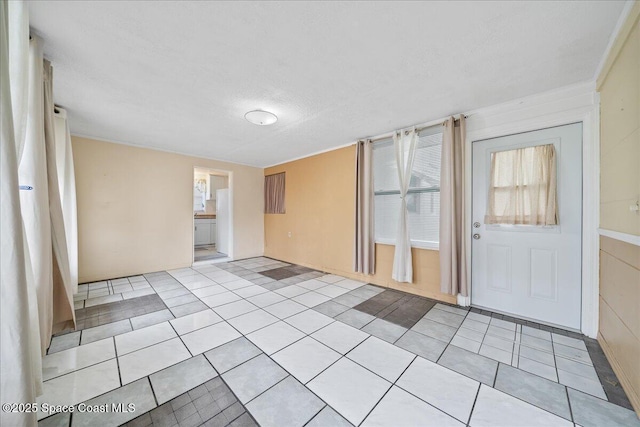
(634, 398)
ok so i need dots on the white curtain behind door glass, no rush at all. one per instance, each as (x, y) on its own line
(405, 149)
(20, 352)
(67, 186)
(522, 187)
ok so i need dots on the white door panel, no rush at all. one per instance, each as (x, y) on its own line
(531, 271)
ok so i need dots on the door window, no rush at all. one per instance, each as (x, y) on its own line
(522, 187)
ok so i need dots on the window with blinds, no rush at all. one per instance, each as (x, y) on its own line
(423, 197)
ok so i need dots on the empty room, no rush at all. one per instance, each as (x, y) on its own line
(320, 213)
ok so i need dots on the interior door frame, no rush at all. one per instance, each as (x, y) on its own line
(530, 142)
(530, 118)
(229, 174)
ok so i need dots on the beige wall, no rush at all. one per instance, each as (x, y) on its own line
(619, 87)
(320, 215)
(135, 209)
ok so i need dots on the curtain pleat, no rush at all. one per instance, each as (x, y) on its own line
(274, 188)
(63, 314)
(19, 70)
(364, 239)
(453, 263)
(405, 149)
(67, 185)
(35, 203)
(20, 367)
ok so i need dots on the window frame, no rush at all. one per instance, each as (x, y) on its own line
(419, 244)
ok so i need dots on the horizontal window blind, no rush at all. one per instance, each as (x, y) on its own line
(423, 197)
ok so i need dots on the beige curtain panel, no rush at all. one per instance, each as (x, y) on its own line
(63, 306)
(453, 252)
(365, 246)
(523, 187)
(274, 193)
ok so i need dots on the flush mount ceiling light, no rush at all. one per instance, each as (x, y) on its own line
(261, 117)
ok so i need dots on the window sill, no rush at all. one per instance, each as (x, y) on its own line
(432, 246)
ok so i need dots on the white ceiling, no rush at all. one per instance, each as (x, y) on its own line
(180, 76)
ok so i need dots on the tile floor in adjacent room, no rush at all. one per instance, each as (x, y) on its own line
(206, 252)
(262, 342)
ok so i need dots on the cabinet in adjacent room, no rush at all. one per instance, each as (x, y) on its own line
(205, 231)
(214, 183)
(202, 232)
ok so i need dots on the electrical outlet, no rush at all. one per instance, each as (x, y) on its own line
(289, 234)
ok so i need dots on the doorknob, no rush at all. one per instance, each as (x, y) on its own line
(476, 225)
(476, 236)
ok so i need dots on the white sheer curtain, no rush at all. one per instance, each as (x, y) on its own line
(405, 148)
(365, 248)
(67, 187)
(20, 352)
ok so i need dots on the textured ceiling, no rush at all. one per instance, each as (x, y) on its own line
(180, 76)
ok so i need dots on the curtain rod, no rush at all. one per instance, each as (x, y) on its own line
(418, 129)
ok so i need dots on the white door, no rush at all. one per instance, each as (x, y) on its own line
(533, 272)
(222, 220)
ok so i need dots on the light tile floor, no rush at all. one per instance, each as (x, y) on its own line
(259, 341)
(206, 252)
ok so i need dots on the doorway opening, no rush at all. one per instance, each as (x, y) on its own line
(212, 230)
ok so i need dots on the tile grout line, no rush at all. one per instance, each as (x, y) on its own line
(566, 390)
(219, 375)
(326, 405)
(115, 351)
(393, 384)
(182, 341)
(555, 364)
(495, 376)
(473, 407)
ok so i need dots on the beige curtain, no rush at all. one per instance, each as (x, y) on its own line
(67, 184)
(63, 307)
(453, 263)
(365, 247)
(274, 187)
(523, 187)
